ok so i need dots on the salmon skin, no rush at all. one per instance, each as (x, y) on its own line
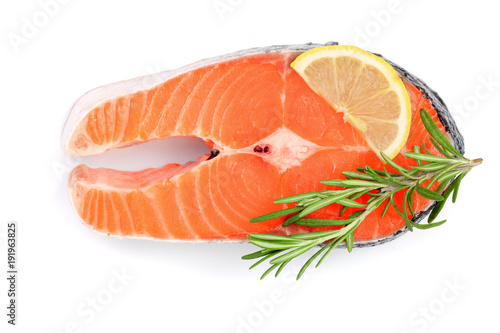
(270, 135)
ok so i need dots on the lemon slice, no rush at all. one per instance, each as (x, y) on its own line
(365, 88)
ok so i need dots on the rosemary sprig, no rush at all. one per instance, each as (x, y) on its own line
(381, 185)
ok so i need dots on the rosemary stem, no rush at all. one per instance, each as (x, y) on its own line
(476, 162)
(448, 168)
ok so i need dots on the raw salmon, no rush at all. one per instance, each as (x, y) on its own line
(270, 135)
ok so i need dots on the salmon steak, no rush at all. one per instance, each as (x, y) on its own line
(270, 136)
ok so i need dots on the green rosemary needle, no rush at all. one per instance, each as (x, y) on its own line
(381, 185)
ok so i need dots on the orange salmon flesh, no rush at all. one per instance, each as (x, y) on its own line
(274, 135)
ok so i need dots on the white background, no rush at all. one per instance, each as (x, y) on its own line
(453, 46)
